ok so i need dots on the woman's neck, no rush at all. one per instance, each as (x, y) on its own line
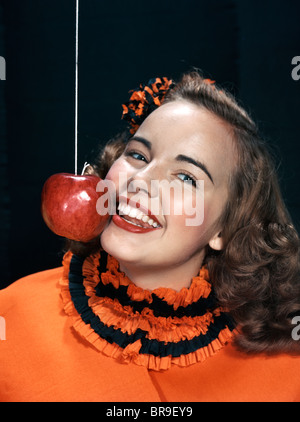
(151, 278)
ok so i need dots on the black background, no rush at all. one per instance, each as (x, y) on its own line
(247, 46)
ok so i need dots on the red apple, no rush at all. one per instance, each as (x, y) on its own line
(69, 206)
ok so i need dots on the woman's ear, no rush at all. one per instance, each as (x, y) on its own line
(216, 242)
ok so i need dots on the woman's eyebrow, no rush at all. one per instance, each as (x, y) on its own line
(190, 160)
(142, 140)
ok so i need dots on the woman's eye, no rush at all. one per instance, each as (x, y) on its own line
(187, 178)
(136, 155)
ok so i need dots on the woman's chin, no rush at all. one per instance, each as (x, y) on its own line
(119, 248)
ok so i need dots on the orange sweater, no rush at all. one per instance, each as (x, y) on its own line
(44, 358)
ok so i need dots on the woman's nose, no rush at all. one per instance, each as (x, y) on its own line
(145, 181)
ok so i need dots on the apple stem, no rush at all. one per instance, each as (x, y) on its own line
(84, 167)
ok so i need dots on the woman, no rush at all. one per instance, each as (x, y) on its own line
(176, 306)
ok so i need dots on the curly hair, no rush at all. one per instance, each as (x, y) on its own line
(256, 274)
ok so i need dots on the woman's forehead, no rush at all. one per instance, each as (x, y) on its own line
(186, 122)
(180, 127)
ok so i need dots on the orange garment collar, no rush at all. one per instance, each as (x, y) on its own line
(155, 328)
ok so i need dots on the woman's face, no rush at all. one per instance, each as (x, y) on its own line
(176, 168)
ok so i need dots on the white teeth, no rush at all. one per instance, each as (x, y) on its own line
(125, 209)
(133, 212)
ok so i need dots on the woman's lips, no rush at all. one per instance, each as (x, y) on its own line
(126, 225)
(134, 218)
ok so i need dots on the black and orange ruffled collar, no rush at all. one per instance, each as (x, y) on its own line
(151, 328)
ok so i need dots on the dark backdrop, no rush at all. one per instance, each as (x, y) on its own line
(247, 46)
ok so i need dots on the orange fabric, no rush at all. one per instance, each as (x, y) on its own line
(139, 103)
(112, 313)
(44, 359)
(200, 287)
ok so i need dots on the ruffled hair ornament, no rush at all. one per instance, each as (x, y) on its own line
(144, 100)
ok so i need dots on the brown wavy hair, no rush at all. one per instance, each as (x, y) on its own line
(256, 275)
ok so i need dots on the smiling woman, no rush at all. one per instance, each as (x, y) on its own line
(156, 309)
(173, 129)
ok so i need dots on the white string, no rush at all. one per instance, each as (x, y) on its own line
(76, 87)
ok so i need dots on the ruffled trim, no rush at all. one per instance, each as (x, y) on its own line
(144, 100)
(142, 337)
(200, 287)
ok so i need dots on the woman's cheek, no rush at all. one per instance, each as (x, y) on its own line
(187, 207)
(199, 212)
(119, 174)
